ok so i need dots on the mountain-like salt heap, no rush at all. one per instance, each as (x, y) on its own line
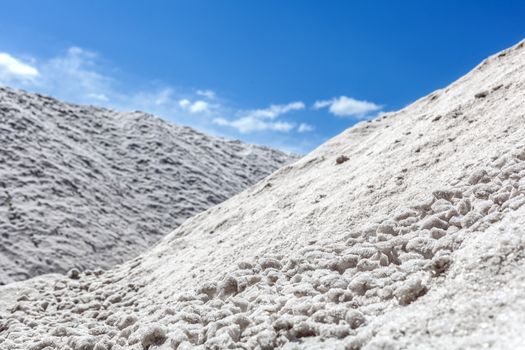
(85, 187)
(416, 241)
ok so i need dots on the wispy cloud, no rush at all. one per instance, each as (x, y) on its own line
(250, 124)
(209, 94)
(199, 107)
(303, 127)
(75, 75)
(163, 96)
(257, 120)
(348, 107)
(275, 111)
(99, 97)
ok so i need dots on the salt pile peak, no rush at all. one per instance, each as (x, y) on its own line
(85, 187)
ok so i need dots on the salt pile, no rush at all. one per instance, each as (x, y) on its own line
(85, 187)
(405, 232)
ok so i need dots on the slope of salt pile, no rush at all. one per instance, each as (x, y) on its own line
(88, 187)
(415, 241)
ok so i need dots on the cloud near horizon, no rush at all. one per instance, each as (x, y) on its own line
(247, 125)
(263, 119)
(344, 106)
(275, 111)
(198, 106)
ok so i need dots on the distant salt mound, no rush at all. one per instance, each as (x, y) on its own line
(405, 232)
(85, 187)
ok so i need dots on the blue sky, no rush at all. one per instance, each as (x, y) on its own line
(289, 74)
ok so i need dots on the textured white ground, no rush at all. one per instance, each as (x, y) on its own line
(89, 188)
(415, 242)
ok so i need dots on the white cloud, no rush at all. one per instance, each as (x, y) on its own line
(209, 94)
(184, 103)
(303, 127)
(249, 124)
(348, 107)
(12, 69)
(198, 106)
(100, 97)
(275, 111)
(262, 119)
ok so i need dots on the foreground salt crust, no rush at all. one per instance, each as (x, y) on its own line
(415, 241)
(89, 187)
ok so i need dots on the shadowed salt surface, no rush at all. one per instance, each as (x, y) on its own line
(88, 187)
(413, 240)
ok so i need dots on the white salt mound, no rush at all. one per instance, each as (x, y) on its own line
(414, 240)
(84, 187)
